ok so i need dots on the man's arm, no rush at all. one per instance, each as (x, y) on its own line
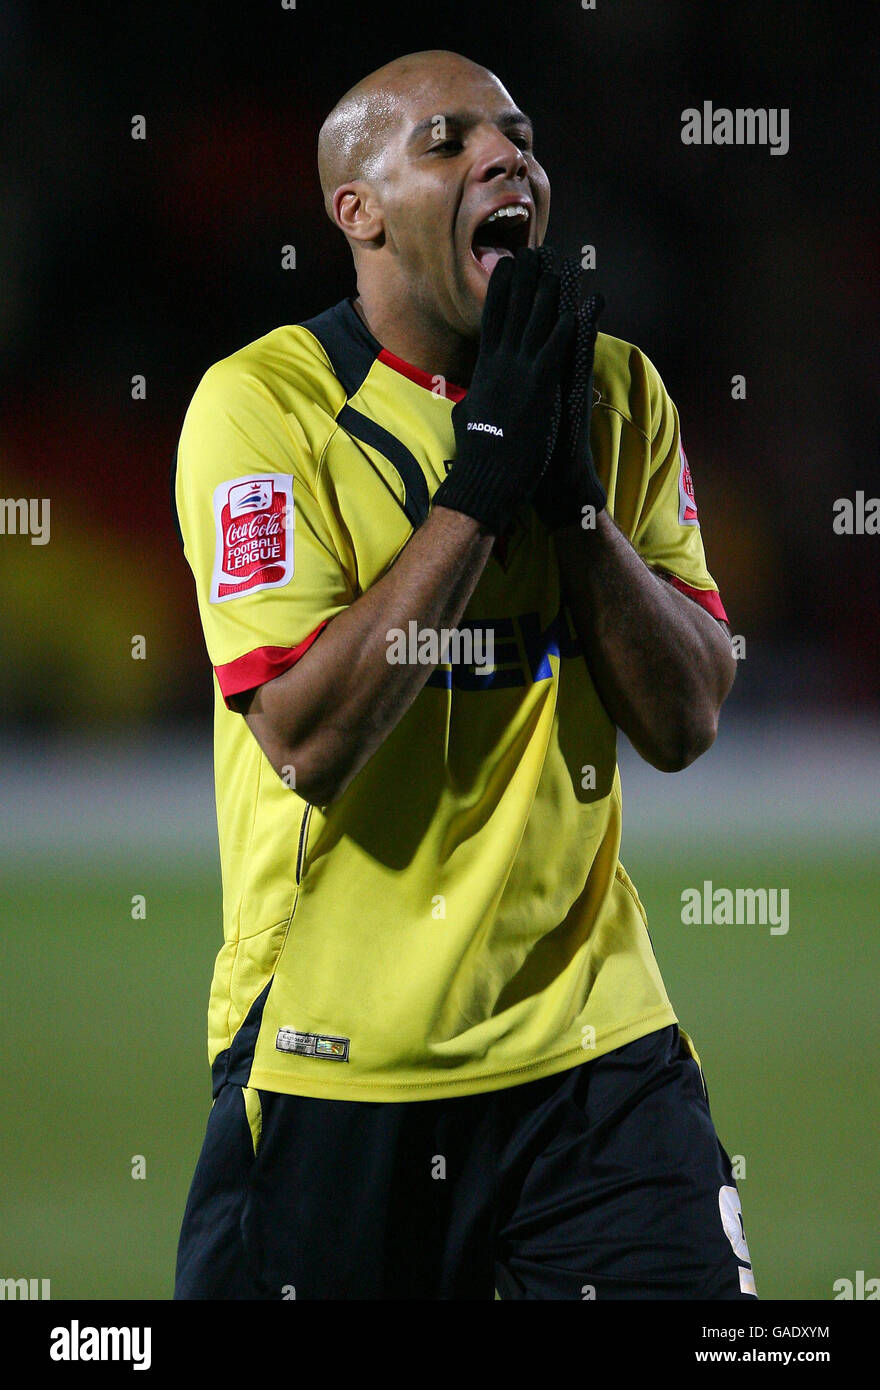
(662, 666)
(327, 715)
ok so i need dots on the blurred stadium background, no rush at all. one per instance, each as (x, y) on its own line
(121, 257)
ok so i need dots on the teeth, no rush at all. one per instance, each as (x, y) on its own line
(514, 210)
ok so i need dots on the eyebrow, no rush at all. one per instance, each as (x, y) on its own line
(464, 119)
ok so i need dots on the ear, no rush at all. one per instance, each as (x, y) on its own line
(357, 213)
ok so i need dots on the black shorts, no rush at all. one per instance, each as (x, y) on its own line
(603, 1181)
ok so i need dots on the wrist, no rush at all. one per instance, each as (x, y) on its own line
(458, 525)
(480, 491)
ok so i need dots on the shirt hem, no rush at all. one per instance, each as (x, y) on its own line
(708, 599)
(262, 664)
(269, 1079)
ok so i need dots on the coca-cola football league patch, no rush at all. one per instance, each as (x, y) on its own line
(254, 524)
(687, 505)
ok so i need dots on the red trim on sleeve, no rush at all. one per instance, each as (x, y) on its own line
(397, 364)
(262, 665)
(710, 599)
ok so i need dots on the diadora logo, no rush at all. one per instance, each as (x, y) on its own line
(522, 651)
(486, 429)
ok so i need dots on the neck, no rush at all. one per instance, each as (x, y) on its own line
(433, 348)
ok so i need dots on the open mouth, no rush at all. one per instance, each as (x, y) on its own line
(502, 233)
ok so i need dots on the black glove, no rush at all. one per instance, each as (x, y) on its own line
(505, 426)
(570, 482)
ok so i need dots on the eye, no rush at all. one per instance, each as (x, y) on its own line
(522, 142)
(448, 146)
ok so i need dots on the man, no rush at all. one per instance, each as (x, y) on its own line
(444, 1060)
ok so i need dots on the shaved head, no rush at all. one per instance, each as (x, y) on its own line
(354, 136)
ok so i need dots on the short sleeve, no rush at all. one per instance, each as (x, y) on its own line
(667, 533)
(268, 576)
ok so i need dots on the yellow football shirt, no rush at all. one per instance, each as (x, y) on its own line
(459, 920)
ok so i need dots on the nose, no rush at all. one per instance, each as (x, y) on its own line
(499, 156)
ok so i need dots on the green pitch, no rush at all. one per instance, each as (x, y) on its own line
(105, 1060)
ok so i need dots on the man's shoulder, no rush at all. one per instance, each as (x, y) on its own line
(275, 398)
(286, 367)
(628, 383)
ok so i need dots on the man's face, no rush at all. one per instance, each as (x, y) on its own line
(459, 187)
